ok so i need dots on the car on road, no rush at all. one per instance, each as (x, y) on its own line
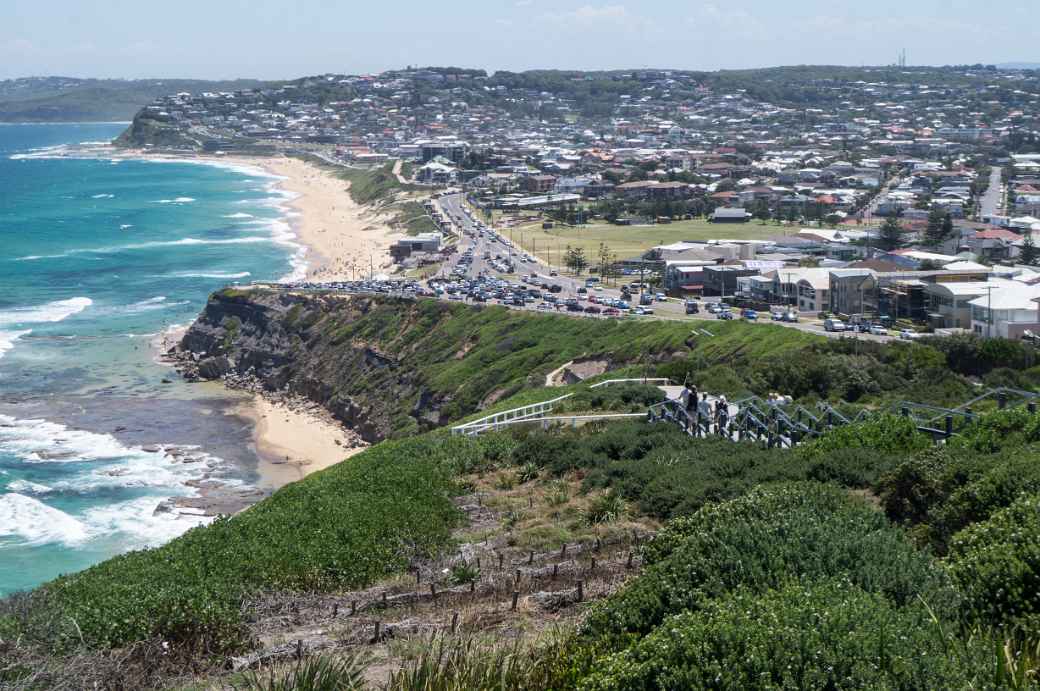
(592, 309)
(660, 297)
(776, 316)
(878, 330)
(751, 315)
(791, 316)
(833, 325)
(611, 312)
(692, 307)
(724, 314)
(908, 334)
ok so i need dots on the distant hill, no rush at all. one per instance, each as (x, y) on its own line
(66, 99)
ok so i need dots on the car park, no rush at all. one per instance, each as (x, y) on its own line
(833, 325)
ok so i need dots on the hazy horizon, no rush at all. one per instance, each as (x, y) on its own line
(274, 40)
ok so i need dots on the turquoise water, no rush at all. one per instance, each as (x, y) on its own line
(97, 256)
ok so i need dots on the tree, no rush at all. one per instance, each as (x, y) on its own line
(575, 259)
(934, 234)
(947, 227)
(1030, 253)
(890, 237)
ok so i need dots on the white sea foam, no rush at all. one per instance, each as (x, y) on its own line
(183, 242)
(126, 226)
(26, 487)
(137, 522)
(50, 312)
(239, 215)
(178, 200)
(30, 521)
(214, 274)
(103, 196)
(7, 339)
(42, 441)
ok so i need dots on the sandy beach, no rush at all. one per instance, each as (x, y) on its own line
(293, 443)
(344, 239)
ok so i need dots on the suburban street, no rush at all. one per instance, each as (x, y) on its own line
(989, 205)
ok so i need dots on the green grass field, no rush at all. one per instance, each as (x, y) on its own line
(630, 241)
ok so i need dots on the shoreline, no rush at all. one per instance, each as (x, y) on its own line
(342, 240)
(294, 438)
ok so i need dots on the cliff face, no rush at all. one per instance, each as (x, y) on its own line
(147, 132)
(390, 367)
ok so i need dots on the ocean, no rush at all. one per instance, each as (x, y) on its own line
(98, 259)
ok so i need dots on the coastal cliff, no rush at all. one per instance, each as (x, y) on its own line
(147, 131)
(390, 367)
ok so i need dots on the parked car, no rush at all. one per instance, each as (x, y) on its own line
(878, 330)
(692, 307)
(791, 316)
(611, 312)
(833, 325)
(592, 309)
(724, 314)
(908, 334)
(776, 316)
(751, 315)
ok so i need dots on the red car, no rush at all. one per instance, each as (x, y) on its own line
(611, 312)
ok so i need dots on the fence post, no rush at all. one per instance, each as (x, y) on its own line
(904, 411)
(1001, 400)
(1031, 407)
(581, 591)
(516, 596)
(949, 426)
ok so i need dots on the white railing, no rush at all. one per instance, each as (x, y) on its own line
(513, 414)
(643, 380)
(546, 422)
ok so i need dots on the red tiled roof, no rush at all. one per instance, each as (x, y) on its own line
(997, 234)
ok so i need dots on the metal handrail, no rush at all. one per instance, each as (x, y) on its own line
(521, 412)
(644, 380)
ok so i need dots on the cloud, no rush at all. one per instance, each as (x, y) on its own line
(598, 16)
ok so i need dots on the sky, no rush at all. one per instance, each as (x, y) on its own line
(282, 39)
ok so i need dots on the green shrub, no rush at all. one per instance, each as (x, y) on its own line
(759, 541)
(341, 528)
(996, 565)
(1000, 430)
(311, 674)
(886, 434)
(830, 635)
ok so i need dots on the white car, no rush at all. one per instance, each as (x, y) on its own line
(878, 330)
(908, 335)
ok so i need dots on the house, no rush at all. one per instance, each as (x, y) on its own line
(730, 215)
(1007, 311)
(721, 280)
(539, 184)
(407, 246)
(950, 303)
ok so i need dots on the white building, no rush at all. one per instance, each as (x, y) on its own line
(1006, 311)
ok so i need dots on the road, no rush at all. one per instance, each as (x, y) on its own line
(990, 203)
(494, 244)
